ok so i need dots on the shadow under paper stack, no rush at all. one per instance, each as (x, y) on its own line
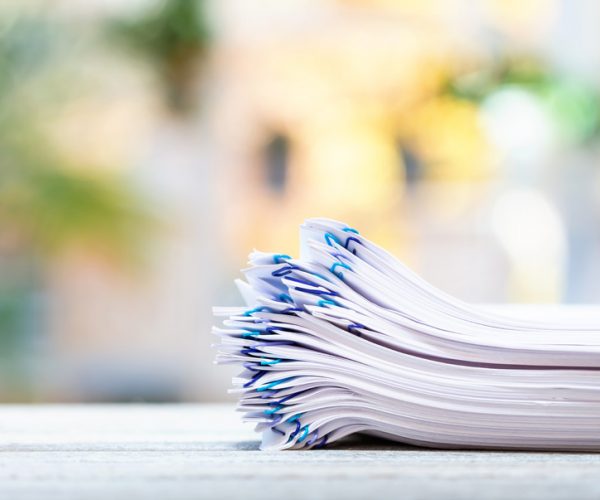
(346, 339)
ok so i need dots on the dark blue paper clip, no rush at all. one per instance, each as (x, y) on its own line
(312, 291)
(287, 398)
(247, 351)
(274, 343)
(253, 379)
(279, 431)
(348, 240)
(296, 431)
(322, 443)
(283, 271)
(353, 326)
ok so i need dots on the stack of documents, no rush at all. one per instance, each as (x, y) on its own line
(346, 339)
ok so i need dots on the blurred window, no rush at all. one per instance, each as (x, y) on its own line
(277, 162)
(410, 162)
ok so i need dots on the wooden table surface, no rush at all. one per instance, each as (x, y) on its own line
(203, 451)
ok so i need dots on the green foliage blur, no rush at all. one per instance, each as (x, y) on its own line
(50, 203)
(173, 37)
(46, 204)
(573, 105)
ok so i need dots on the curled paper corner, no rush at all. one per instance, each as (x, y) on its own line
(346, 339)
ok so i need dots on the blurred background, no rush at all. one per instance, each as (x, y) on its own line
(146, 146)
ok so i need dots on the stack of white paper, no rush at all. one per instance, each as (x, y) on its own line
(346, 339)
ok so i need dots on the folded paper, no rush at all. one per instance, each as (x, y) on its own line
(346, 339)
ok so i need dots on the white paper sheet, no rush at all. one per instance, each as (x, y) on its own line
(346, 339)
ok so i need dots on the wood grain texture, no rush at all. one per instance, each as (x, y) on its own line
(203, 451)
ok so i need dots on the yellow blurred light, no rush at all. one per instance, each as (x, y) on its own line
(450, 140)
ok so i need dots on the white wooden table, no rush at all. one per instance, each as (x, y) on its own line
(203, 451)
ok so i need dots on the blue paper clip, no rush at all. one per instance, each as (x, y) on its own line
(256, 309)
(339, 264)
(284, 297)
(268, 362)
(272, 384)
(251, 333)
(304, 434)
(271, 411)
(331, 237)
(277, 258)
(324, 302)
